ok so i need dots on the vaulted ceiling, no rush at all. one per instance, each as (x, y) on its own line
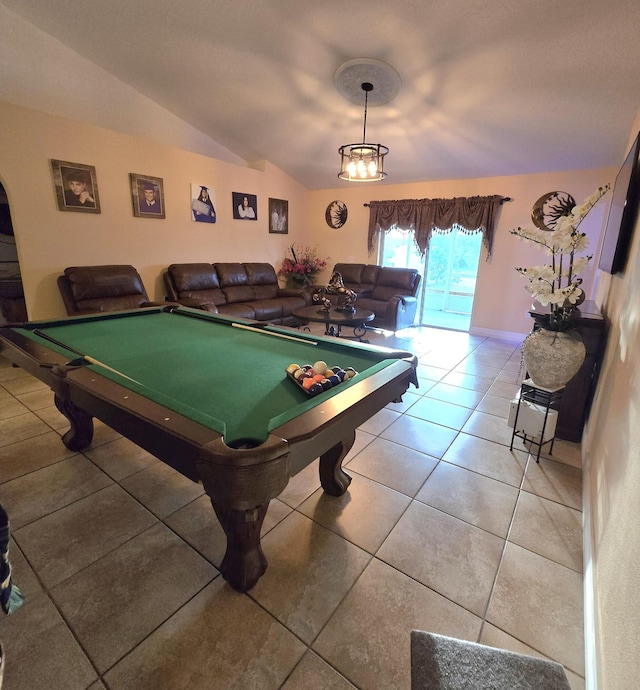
(488, 87)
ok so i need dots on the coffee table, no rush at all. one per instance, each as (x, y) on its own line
(334, 320)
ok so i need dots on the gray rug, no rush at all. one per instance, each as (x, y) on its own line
(444, 663)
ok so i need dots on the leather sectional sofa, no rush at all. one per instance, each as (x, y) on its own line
(391, 293)
(245, 290)
(240, 290)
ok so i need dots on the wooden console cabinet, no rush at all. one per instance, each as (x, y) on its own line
(578, 394)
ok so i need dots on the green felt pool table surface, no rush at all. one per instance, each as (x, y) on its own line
(228, 378)
(209, 396)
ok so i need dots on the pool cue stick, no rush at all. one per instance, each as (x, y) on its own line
(87, 358)
(275, 335)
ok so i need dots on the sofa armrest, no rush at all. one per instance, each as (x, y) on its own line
(194, 303)
(407, 300)
(400, 312)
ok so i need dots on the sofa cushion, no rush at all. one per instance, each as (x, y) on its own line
(351, 273)
(230, 274)
(234, 283)
(384, 292)
(267, 309)
(264, 292)
(197, 281)
(216, 297)
(358, 277)
(101, 304)
(238, 293)
(243, 310)
(402, 278)
(105, 282)
(190, 277)
(291, 303)
(260, 274)
(263, 280)
(394, 281)
(370, 275)
(377, 306)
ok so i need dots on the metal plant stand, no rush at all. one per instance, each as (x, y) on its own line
(544, 397)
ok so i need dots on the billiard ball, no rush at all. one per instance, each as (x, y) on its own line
(298, 373)
(307, 383)
(320, 367)
(334, 379)
(292, 367)
(326, 384)
(318, 377)
(315, 388)
(350, 372)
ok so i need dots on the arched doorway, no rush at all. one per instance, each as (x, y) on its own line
(12, 304)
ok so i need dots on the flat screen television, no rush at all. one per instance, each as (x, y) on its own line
(623, 213)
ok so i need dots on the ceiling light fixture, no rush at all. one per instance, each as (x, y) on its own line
(363, 162)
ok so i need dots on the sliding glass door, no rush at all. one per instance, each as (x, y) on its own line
(449, 270)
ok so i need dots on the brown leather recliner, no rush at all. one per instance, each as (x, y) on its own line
(91, 289)
(390, 293)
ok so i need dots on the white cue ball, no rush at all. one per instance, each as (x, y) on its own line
(320, 367)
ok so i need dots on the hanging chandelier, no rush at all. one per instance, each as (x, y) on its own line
(363, 162)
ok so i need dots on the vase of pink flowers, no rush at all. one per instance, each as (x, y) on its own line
(302, 266)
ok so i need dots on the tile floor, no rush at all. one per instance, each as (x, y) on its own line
(442, 529)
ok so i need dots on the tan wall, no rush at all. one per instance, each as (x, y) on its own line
(48, 240)
(501, 302)
(611, 450)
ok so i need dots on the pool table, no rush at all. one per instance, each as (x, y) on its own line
(209, 396)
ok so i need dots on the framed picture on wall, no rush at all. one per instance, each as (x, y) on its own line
(147, 195)
(245, 206)
(76, 187)
(203, 204)
(279, 216)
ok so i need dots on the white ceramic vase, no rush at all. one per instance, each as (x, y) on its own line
(553, 358)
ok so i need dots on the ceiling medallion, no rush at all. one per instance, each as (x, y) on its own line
(374, 82)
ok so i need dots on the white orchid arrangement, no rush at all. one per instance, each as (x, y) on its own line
(558, 284)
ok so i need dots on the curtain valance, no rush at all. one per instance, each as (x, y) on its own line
(423, 216)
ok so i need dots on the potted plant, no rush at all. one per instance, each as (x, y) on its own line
(302, 267)
(554, 352)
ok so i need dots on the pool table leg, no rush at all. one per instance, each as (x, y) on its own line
(333, 478)
(244, 562)
(80, 434)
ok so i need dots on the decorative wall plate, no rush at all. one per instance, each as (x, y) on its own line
(550, 207)
(336, 214)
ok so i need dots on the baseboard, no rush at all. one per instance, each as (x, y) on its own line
(500, 335)
(588, 584)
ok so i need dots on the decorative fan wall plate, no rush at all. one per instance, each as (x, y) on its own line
(550, 207)
(336, 214)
